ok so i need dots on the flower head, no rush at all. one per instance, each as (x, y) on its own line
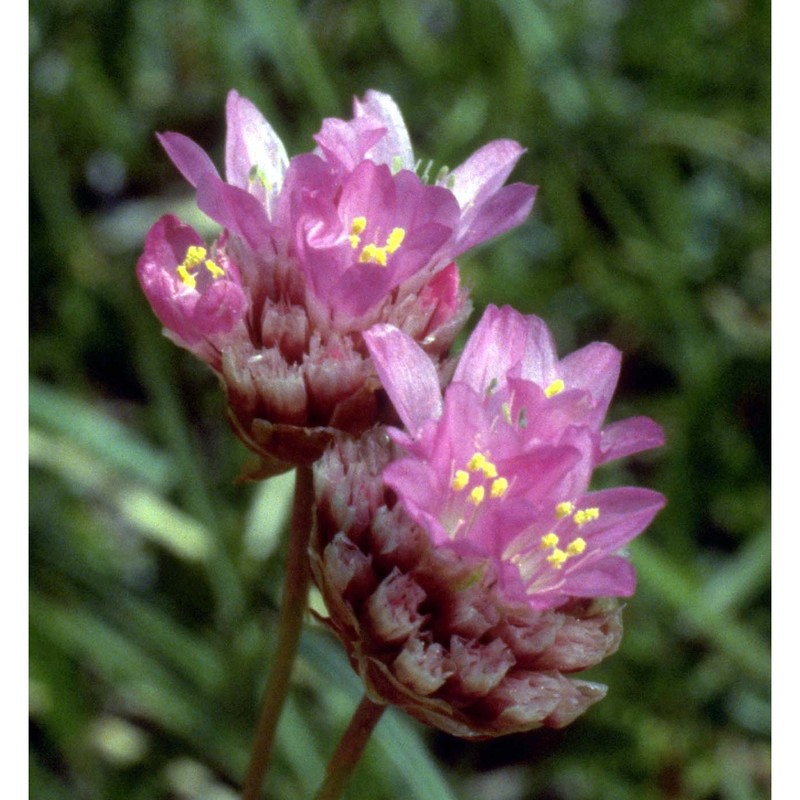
(314, 250)
(501, 465)
(466, 564)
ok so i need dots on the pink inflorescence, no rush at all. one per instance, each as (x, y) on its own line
(466, 563)
(314, 250)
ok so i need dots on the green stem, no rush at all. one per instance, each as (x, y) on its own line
(350, 748)
(295, 601)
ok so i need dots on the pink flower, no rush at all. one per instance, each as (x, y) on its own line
(353, 219)
(196, 293)
(500, 467)
(465, 564)
(315, 250)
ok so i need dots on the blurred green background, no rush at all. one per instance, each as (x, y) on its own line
(155, 578)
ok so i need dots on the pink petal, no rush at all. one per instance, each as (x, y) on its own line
(235, 209)
(484, 172)
(395, 145)
(509, 207)
(629, 436)
(624, 513)
(345, 144)
(594, 368)
(192, 161)
(503, 339)
(614, 576)
(408, 375)
(251, 142)
(220, 307)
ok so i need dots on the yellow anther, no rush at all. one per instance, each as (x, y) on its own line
(557, 558)
(356, 228)
(186, 276)
(460, 480)
(214, 268)
(477, 463)
(506, 408)
(499, 487)
(194, 256)
(576, 546)
(585, 515)
(395, 239)
(564, 509)
(476, 495)
(549, 540)
(554, 388)
(489, 470)
(373, 254)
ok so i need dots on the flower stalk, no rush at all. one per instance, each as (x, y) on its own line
(295, 601)
(350, 748)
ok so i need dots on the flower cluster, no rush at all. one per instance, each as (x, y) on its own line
(314, 250)
(466, 563)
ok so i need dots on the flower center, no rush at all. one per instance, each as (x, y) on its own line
(195, 256)
(537, 565)
(372, 253)
(478, 482)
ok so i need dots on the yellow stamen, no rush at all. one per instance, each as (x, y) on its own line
(584, 515)
(499, 487)
(395, 239)
(554, 388)
(214, 268)
(373, 254)
(476, 463)
(194, 256)
(564, 509)
(506, 408)
(557, 558)
(460, 480)
(186, 276)
(356, 228)
(476, 495)
(576, 546)
(549, 540)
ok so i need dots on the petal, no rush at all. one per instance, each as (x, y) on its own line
(251, 143)
(419, 492)
(594, 368)
(395, 145)
(345, 144)
(235, 209)
(408, 375)
(219, 308)
(192, 161)
(165, 248)
(629, 436)
(484, 172)
(509, 207)
(503, 339)
(613, 576)
(624, 513)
